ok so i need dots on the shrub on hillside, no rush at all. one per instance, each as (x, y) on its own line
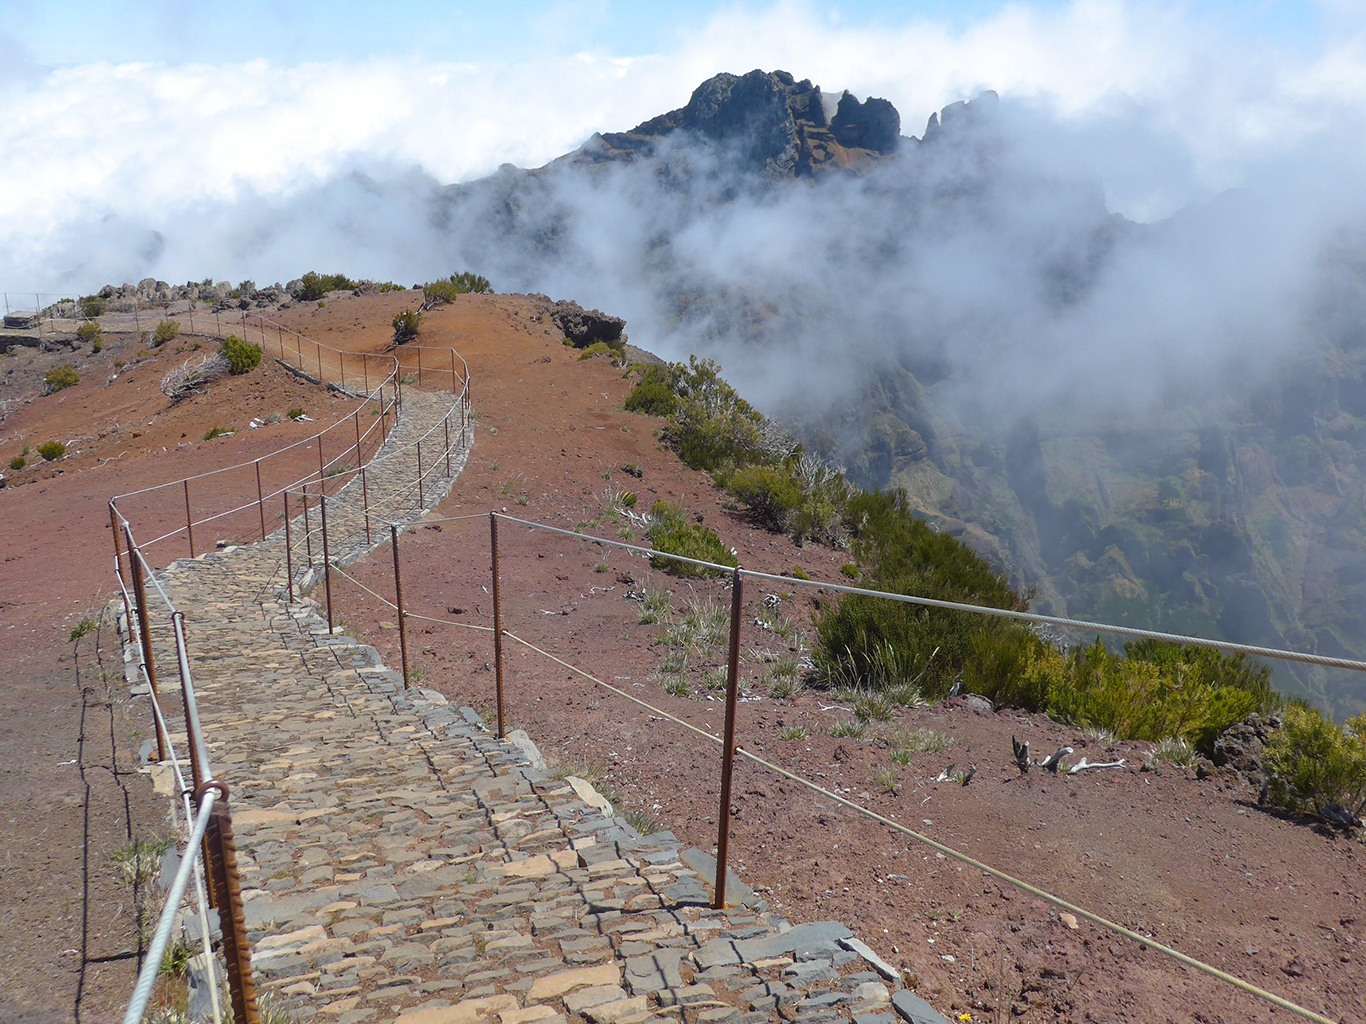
(313, 286)
(91, 306)
(191, 378)
(601, 350)
(63, 376)
(653, 394)
(405, 326)
(52, 450)
(1314, 764)
(88, 333)
(670, 531)
(17, 463)
(242, 356)
(770, 495)
(434, 293)
(165, 331)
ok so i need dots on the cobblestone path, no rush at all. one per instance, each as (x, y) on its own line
(401, 864)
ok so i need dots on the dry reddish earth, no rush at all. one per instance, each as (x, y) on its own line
(1192, 862)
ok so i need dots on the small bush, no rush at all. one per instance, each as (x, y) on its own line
(314, 286)
(653, 394)
(164, 332)
(214, 432)
(850, 570)
(405, 326)
(768, 494)
(1314, 763)
(92, 306)
(671, 532)
(17, 463)
(434, 293)
(52, 450)
(297, 413)
(599, 350)
(88, 333)
(64, 376)
(242, 356)
(83, 628)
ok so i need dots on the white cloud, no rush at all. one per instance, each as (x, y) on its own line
(143, 143)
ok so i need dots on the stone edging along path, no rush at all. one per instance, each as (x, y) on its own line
(399, 863)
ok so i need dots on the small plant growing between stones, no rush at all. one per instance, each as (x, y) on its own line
(214, 432)
(795, 732)
(405, 325)
(1174, 751)
(677, 686)
(83, 628)
(655, 606)
(297, 413)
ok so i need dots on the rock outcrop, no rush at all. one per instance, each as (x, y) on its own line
(582, 326)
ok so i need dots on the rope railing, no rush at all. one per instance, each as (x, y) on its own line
(732, 748)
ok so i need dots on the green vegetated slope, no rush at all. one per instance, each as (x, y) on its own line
(1237, 517)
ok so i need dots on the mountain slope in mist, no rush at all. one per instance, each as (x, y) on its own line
(1163, 424)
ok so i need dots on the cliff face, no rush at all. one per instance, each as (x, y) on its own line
(806, 241)
(773, 125)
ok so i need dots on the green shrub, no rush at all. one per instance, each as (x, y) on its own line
(315, 286)
(670, 531)
(296, 413)
(850, 570)
(769, 495)
(64, 376)
(215, 431)
(652, 395)
(242, 356)
(1313, 762)
(405, 326)
(17, 463)
(52, 450)
(599, 350)
(165, 331)
(92, 306)
(464, 283)
(88, 333)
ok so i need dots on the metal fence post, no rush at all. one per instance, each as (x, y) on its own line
(232, 921)
(260, 501)
(446, 425)
(145, 635)
(189, 521)
(365, 503)
(322, 485)
(728, 747)
(365, 372)
(452, 351)
(419, 366)
(327, 562)
(289, 555)
(308, 530)
(398, 596)
(118, 568)
(497, 621)
(193, 738)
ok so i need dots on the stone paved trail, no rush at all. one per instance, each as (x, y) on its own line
(401, 864)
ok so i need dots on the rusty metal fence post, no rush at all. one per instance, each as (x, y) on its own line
(728, 747)
(189, 520)
(289, 555)
(308, 530)
(446, 424)
(260, 500)
(365, 503)
(145, 635)
(327, 563)
(118, 568)
(231, 919)
(497, 621)
(420, 499)
(193, 739)
(398, 599)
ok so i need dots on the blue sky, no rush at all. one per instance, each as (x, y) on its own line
(65, 32)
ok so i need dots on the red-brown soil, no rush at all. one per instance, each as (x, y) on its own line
(1193, 862)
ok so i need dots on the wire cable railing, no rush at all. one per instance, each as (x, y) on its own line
(731, 747)
(204, 799)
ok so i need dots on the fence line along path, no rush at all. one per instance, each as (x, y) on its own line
(400, 863)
